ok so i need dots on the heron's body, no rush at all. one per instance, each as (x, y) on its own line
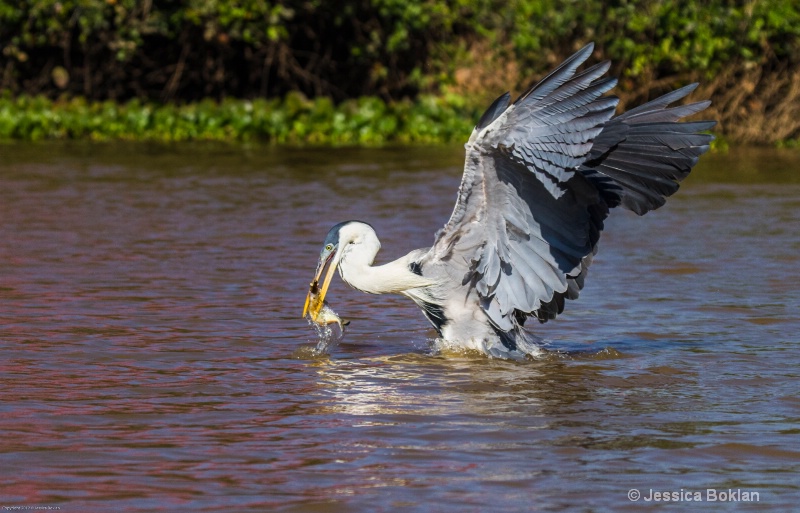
(434, 287)
(540, 177)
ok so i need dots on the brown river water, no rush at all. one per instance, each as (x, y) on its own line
(153, 356)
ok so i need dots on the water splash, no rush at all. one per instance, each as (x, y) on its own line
(329, 337)
(527, 349)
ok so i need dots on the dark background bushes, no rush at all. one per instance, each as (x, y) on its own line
(746, 54)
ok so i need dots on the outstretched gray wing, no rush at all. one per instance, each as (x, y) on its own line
(539, 178)
(526, 222)
(640, 156)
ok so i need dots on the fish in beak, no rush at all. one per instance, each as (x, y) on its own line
(315, 300)
(328, 316)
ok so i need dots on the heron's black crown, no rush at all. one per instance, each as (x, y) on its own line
(333, 233)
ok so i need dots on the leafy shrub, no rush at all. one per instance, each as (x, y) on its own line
(187, 50)
(293, 120)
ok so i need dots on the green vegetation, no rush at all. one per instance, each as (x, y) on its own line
(293, 120)
(182, 54)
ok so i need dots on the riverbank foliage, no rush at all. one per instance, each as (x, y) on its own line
(291, 120)
(183, 54)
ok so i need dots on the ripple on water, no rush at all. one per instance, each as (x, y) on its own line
(152, 355)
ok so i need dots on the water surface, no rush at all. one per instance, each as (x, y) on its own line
(153, 355)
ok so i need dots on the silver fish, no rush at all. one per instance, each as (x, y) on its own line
(321, 313)
(328, 316)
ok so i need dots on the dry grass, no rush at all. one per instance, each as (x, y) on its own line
(751, 105)
(485, 73)
(756, 107)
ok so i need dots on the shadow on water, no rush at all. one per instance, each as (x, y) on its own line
(153, 350)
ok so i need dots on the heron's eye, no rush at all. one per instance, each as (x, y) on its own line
(328, 247)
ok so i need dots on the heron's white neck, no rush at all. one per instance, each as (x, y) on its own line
(356, 270)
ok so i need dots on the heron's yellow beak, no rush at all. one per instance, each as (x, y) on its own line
(316, 296)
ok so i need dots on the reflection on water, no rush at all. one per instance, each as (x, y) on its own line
(153, 355)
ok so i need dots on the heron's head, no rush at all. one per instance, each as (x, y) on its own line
(342, 241)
